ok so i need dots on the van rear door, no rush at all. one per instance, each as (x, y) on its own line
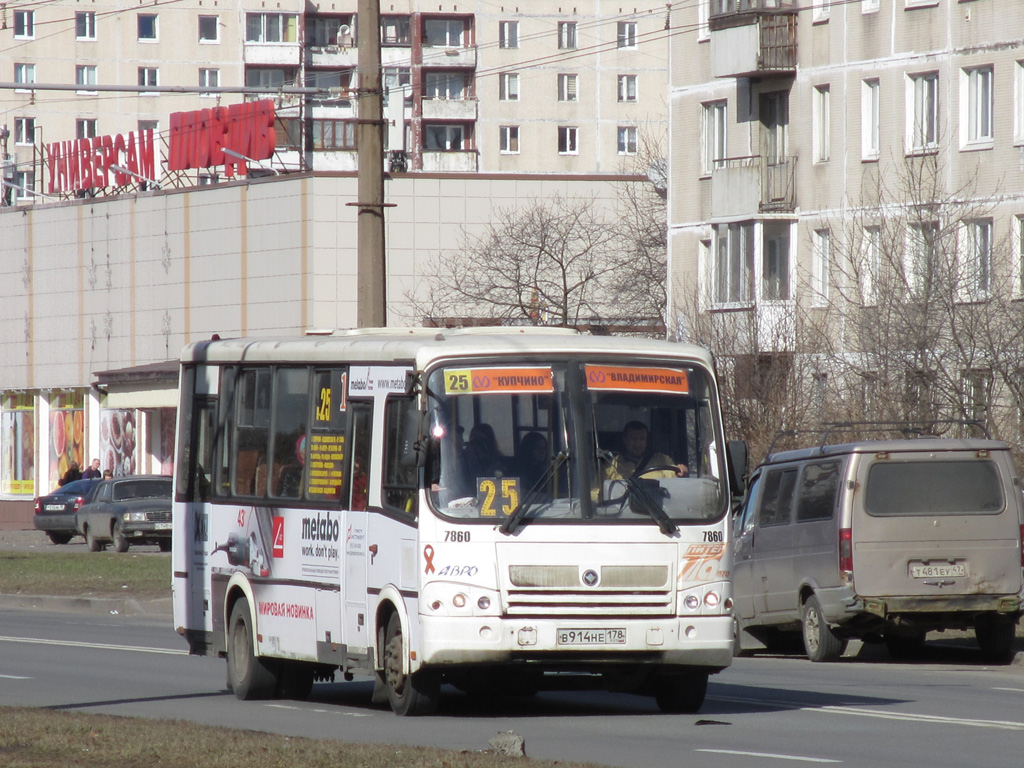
(936, 524)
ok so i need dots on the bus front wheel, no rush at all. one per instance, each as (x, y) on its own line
(414, 694)
(681, 693)
(249, 676)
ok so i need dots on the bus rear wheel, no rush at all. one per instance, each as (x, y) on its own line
(415, 694)
(249, 676)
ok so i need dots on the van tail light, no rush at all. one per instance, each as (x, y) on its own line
(846, 549)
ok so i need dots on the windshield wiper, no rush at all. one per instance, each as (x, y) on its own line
(646, 501)
(514, 520)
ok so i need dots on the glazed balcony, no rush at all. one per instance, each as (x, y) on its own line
(752, 38)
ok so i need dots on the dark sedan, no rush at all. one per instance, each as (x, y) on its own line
(128, 510)
(56, 513)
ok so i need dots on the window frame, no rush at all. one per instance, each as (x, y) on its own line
(155, 18)
(567, 37)
(450, 130)
(734, 249)
(204, 78)
(216, 29)
(144, 80)
(81, 78)
(566, 92)
(85, 25)
(24, 131)
(568, 140)
(977, 107)
(627, 88)
(978, 276)
(626, 35)
(24, 74)
(870, 119)
(626, 140)
(923, 112)
(822, 123)
(26, 21)
(508, 86)
(508, 35)
(821, 266)
(508, 139)
(287, 29)
(714, 135)
(89, 126)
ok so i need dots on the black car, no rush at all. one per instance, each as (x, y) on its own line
(128, 510)
(56, 513)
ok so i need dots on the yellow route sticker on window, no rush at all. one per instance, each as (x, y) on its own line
(637, 379)
(476, 381)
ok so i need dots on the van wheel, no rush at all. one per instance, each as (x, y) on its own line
(249, 676)
(820, 641)
(415, 694)
(995, 635)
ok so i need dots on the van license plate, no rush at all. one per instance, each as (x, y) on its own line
(938, 571)
(592, 637)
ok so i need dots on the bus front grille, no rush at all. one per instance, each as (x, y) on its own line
(606, 604)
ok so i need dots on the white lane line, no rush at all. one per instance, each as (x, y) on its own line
(1011, 690)
(101, 646)
(15, 677)
(1006, 725)
(769, 755)
(320, 711)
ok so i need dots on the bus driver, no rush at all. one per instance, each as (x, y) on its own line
(636, 455)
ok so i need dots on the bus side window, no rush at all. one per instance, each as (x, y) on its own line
(252, 419)
(359, 471)
(400, 475)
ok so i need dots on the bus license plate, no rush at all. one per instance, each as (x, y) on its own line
(592, 637)
(946, 570)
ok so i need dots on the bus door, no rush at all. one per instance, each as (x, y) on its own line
(355, 553)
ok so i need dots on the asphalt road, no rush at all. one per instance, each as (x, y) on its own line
(946, 710)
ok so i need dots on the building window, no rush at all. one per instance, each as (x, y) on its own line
(207, 179)
(509, 139)
(24, 130)
(869, 6)
(976, 384)
(267, 77)
(713, 136)
(443, 33)
(446, 86)
(627, 140)
(25, 184)
(919, 262)
(734, 262)
(978, 277)
(978, 106)
(149, 76)
(508, 34)
(870, 121)
(775, 262)
(270, 28)
(822, 123)
(871, 265)
(820, 267)
(24, 74)
(774, 117)
(85, 128)
(627, 87)
(444, 138)
(209, 78)
(85, 75)
(568, 140)
(334, 135)
(147, 26)
(394, 30)
(1018, 222)
(703, 15)
(397, 81)
(209, 29)
(626, 34)
(923, 112)
(508, 86)
(328, 31)
(567, 35)
(822, 10)
(24, 24)
(567, 87)
(85, 25)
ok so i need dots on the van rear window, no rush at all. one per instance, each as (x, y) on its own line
(904, 488)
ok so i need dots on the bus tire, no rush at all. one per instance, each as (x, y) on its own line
(681, 693)
(295, 680)
(249, 676)
(415, 694)
(820, 642)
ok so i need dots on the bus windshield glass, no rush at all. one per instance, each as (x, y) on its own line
(575, 441)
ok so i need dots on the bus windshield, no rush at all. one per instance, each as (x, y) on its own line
(574, 441)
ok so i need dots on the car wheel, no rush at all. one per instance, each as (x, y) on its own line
(59, 538)
(91, 541)
(415, 694)
(165, 545)
(681, 694)
(995, 635)
(820, 641)
(118, 537)
(249, 676)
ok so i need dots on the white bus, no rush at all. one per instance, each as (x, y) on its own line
(462, 507)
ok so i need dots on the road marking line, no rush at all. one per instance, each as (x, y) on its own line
(15, 677)
(101, 646)
(796, 758)
(321, 711)
(1011, 690)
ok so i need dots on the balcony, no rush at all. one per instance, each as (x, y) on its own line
(449, 57)
(751, 38)
(464, 161)
(744, 186)
(332, 56)
(264, 54)
(449, 109)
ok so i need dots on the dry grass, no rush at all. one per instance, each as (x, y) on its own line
(39, 738)
(85, 574)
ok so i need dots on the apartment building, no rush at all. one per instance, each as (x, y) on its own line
(477, 87)
(807, 141)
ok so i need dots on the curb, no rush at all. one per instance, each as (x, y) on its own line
(161, 607)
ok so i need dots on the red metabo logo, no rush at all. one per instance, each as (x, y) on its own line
(277, 550)
(198, 139)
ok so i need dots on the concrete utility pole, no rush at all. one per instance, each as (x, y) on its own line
(371, 278)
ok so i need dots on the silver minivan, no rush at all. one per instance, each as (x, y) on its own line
(881, 540)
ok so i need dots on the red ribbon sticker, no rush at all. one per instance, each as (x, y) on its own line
(428, 554)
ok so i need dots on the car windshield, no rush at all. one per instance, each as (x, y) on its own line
(142, 489)
(574, 442)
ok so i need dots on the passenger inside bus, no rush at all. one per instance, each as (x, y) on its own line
(481, 456)
(532, 459)
(637, 456)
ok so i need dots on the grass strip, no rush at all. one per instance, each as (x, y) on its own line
(42, 738)
(85, 574)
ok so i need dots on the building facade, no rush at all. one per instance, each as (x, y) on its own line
(828, 160)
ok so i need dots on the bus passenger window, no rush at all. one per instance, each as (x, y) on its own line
(291, 406)
(360, 469)
(400, 474)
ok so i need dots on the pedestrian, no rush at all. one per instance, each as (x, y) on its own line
(93, 470)
(73, 473)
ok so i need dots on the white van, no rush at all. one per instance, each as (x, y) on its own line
(881, 540)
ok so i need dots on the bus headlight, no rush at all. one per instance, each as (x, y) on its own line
(459, 601)
(711, 599)
(692, 602)
(483, 603)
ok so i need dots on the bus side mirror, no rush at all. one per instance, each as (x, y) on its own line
(414, 443)
(738, 465)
